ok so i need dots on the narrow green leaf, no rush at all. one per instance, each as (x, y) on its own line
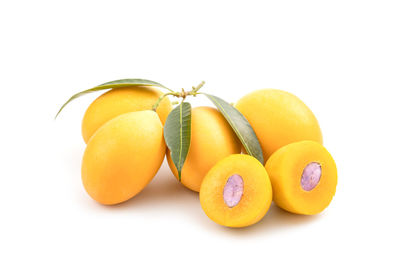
(240, 126)
(113, 84)
(177, 132)
(129, 82)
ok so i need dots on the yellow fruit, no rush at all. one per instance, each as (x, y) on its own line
(303, 177)
(212, 139)
(119, 101)
(123, 156)
(236, 192)
(278, 118)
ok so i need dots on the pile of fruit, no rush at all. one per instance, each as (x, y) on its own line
(268, 146)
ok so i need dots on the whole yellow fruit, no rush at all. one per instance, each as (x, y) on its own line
(123, 156)
(212, 139)
(119, 101)
(278, 118)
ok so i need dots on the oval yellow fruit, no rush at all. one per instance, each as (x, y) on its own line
(236, 192)
(278, 118)
(119, 101)
(123, 156)
(212, 139)
(303, 177)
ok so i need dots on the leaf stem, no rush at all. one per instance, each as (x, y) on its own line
(182, 94)
(155, 106)
(197, 88)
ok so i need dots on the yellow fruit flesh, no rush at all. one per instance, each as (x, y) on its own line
(119, 101)
(278, 118)
(212, 139)
(285, 168)
(123, 156)
(257, 192)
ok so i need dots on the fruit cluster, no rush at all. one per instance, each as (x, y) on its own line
(132, 127)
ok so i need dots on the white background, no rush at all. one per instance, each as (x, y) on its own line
(340, 57)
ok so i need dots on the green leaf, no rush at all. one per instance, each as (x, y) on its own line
(111, 85)
(177, 132)
(240, 126)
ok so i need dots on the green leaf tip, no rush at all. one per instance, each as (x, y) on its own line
(240, 126)
(111, 85)
(177, 133)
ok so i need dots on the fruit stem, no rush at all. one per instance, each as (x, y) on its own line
(155, 106)
(197, 88)
(182, 94)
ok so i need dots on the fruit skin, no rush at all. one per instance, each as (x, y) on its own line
(285, 168)
(212, 139)
(123, 156)
(278, 118)
(257, 193)
(119, 101)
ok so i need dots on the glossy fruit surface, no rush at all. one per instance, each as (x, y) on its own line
(278, 118)
(123, 156)
(212, 139)
(119, 101)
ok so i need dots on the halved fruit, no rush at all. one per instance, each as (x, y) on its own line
(303, 177)
(236, 192)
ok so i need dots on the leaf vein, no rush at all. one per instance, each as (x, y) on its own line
(231, 122)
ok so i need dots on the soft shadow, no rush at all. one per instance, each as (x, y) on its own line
(163, 192)
(275, 220)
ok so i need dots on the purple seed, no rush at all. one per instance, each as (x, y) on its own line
(311, 176)
(233, 190)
